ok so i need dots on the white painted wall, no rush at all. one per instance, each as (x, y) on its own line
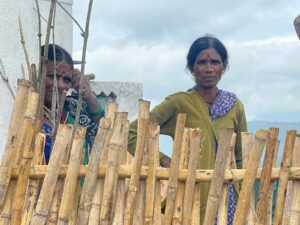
(11, 51)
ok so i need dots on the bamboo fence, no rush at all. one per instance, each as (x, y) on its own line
(117, 191)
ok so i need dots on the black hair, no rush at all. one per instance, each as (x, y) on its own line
(202, 43)
(61, 55)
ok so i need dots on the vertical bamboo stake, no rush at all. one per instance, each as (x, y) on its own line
(183, 164)
(253, 162)
(157, 196)
(71, 176)
(172, 182)
(139, 203)
(10, 150)
(115, 148)
(223, 207)
(142, 131)
(91, 176)
(215, 192)
(247, 143)
(48, 187)
(283, 178)
(269, 215)
(295, 207)
(33, 184)
(261, 206)
(97, 198)
(151, 179)
(195, 137)
(195, 215)
(30, 125)
(119, 207)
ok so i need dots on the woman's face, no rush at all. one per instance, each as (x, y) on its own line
(208, 68)
(64, 78)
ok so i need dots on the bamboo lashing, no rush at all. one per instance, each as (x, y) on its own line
(215, 192)
(173, 178)
(10, 149)
(245, 194)
(284, 172)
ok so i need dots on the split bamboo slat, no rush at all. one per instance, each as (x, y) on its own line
(295, 206)
(245, 194)
(117, 212)
(71, 177)
(34, 184)
(261, 205)
(142, 129)
(30, 125)
(139, 202)
(215, 192)
(10, 149)
(173, 178)
(153, 157)
(183, 164)
(115, 148)
(223, 206)
(98, 193)
(283, 179)
(100, 143)
(284, 172)
(195, 137)
(269, 215)
(247, 143)
(48, 187)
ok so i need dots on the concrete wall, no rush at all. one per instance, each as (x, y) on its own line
(11, 51)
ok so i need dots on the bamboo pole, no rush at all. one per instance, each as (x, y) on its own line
(48, 187)
(284, 172)
(33, 184)
(223, 207)
(273, 132)
(118, 213)
(91, 176)
(30, 125)
(183, 164)
(151, 180)
(195, 137)
(261, 205)
(97, 198)
(71, 176)
(295, 207)
(173, 178)
(6, 209)
(253, 162)
(157, 196)
(114, 149)
(139, 202)
(215, 192)
(247, 143)
(10, 150)
(124, 171)
(142, 131)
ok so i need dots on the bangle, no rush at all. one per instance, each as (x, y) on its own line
(96, 113)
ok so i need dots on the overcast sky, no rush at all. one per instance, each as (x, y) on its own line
(147, 42)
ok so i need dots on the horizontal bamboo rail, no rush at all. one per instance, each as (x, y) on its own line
(124, 171)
